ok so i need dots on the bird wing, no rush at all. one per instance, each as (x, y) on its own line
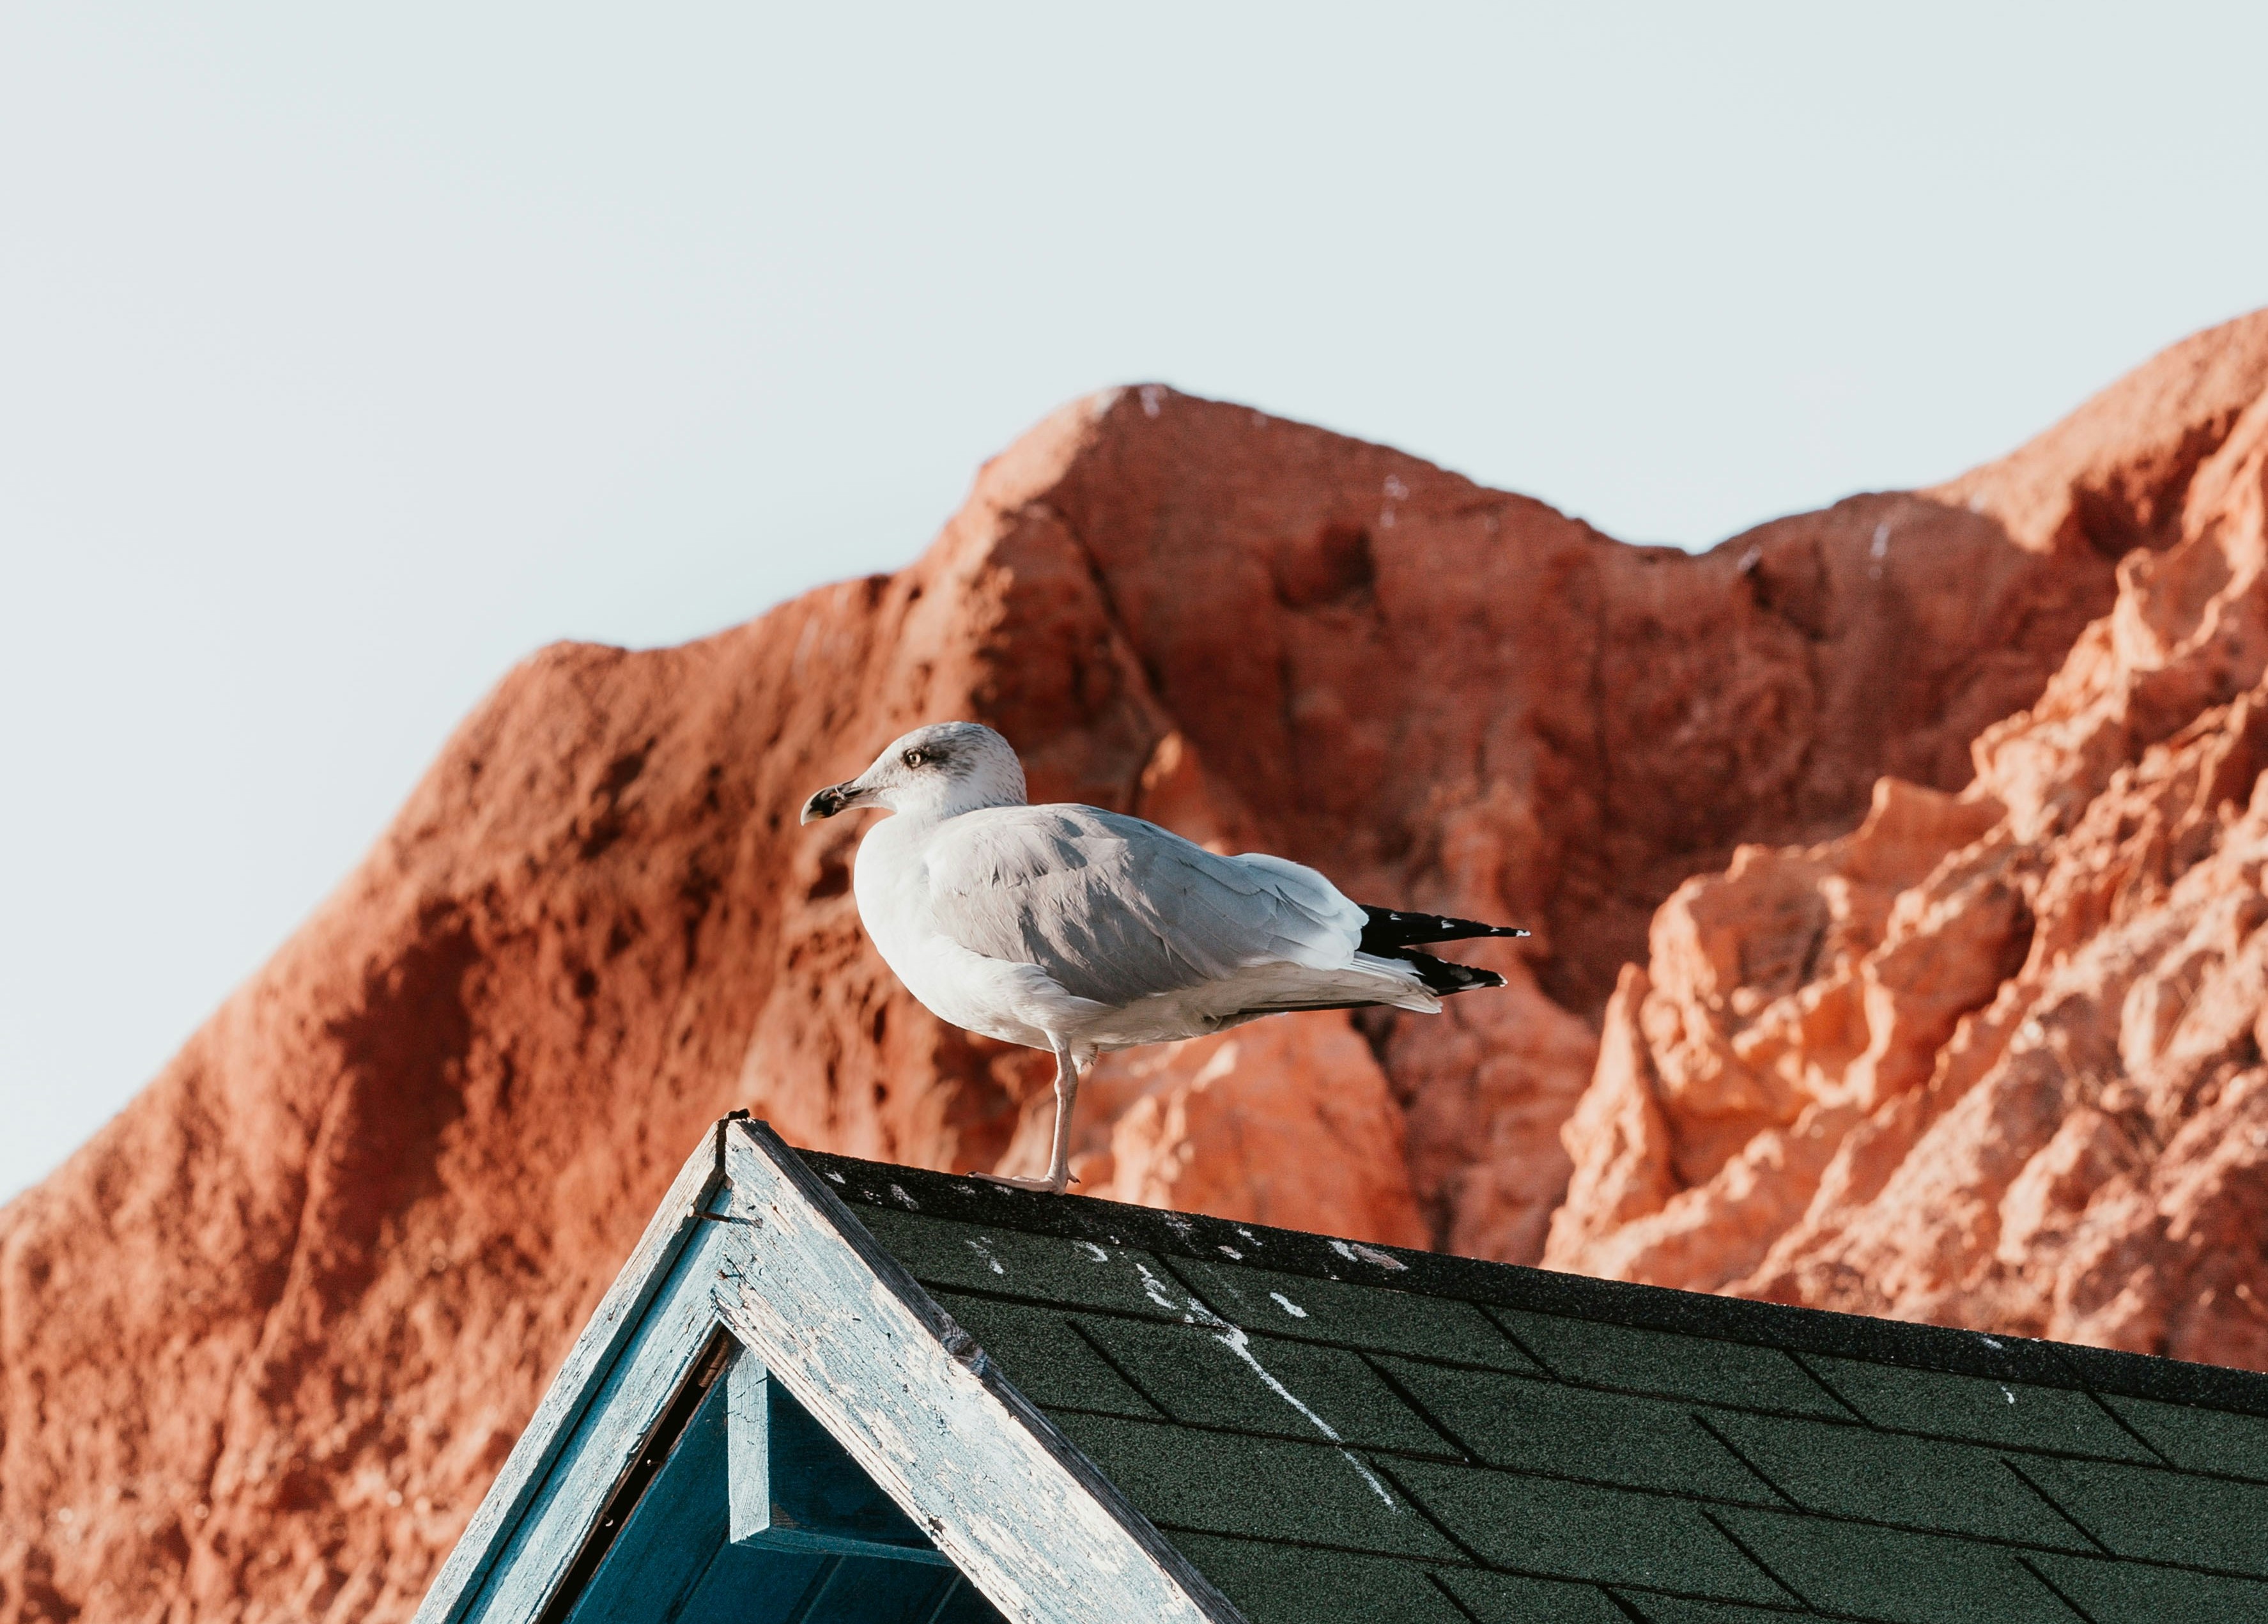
(1115, 910)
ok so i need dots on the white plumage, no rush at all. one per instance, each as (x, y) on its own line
(1079, 931)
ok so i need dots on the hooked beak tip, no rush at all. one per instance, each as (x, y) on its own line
(826, 803)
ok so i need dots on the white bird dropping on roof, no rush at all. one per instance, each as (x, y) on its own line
(1079, 931)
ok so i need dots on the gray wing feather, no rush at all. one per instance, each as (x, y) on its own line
(1115, 909)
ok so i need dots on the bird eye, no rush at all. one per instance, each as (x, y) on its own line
(914, 758)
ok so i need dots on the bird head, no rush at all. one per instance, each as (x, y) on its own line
(940, 769)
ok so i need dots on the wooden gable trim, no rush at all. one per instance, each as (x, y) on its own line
(842, 1325)
(750, 1238)
(792, 1487)
(528, 1482)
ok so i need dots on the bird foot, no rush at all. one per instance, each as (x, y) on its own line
(1049, 1186)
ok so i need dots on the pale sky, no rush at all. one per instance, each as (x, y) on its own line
(348, 355)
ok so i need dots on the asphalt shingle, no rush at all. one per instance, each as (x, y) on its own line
(939, 1251)
(1854, 1471)
(1507, 1599)
(1677, 1609)
(1663, 1362)
(2131, 1593)
(1575, 1531)
(2200, 1439)
(1351, 1316)
(1539, 1426)
(1979, 1409)
(1890, 1575)
(1642, 1461)
(2162, 1516)
(1043, 1353)
(1299, 1584)
(1214, 1377)
(1264, 1488)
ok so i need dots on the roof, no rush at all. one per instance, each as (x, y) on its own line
(1513, 1444)
(1282, 1426)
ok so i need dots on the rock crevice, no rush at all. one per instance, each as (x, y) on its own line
(2019, 1089)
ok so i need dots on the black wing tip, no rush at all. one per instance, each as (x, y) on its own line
(1444, 979)
(1384, 929)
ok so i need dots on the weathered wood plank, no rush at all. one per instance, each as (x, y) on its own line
(1026, 1515)
(793, 1488)
(581, 1375)
(667, 1342)
(748, 1586)
(883, 1592)
(678, 1528)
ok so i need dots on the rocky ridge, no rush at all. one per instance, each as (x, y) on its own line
(264, 1340)
(1994, 1058)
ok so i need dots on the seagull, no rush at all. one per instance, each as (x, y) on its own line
(1078, 931)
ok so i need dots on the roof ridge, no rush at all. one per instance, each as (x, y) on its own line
(1824, 1332)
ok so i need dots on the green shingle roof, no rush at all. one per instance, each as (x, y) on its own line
(1338, 1432)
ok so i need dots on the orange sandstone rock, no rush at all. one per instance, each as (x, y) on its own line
(1995, 1059)
(264, 1340)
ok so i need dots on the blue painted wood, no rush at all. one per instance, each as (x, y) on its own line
(673, 1532)
(963, 1603)
(745, 1584)
(674, 1564)
(866, 1590)
(795, 1488)
(589, 1363)
(592, 1459)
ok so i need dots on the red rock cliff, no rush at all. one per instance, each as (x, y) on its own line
(1995, 1059)
(267, 1336)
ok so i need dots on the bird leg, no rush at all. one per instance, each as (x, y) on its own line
(1058, 1174)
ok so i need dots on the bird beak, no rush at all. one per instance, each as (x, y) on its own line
(834, 798)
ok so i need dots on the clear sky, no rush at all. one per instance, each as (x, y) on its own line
(347, 354)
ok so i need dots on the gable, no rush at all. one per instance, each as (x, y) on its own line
(767, 1415)
(756, 1516)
